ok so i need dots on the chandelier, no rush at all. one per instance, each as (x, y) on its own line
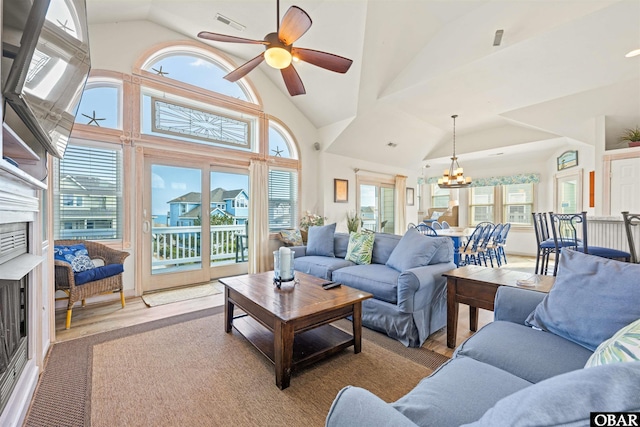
(454, 176)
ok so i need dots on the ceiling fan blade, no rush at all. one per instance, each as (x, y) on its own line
(293, 81)
(325, 60)
(294, 24)
(225, 38)
(244, 69)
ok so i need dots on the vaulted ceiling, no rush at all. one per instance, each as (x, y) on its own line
(561, 65)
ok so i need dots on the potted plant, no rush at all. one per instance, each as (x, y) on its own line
(353, 222)
(632, 136)
(309, 220)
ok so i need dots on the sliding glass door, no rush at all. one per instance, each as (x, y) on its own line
(376, 206)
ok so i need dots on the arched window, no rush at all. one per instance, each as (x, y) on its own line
(101, 104)
(281, 142)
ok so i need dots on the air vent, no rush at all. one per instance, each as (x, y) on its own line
(392, 144)
(13, 241)
(230, 22)
(497, 39)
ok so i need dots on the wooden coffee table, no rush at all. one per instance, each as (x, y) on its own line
(290, 326)
(477, 286)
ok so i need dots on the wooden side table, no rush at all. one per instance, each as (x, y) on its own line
(477, 286)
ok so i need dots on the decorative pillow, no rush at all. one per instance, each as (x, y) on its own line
(624, 346)
(436, 215)
(360, 247)
(98, 273)
(320, 240)
(413, 250)
(291, 237)
(76, 255)
(592, 299)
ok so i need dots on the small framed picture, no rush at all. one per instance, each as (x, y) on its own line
(410, 196)
(340, 191)
(568, 159)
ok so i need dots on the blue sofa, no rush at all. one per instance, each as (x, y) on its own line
(532, 366)
(408, 304)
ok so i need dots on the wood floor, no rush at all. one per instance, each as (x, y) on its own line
(104, 317)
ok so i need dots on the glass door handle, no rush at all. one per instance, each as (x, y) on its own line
(146, 227)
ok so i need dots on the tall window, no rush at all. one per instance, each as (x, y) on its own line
(511, 203)
(283, 199)
(439, 197)
(88, 194)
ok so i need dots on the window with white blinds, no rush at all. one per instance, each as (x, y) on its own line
(88, 194)
(283, 199)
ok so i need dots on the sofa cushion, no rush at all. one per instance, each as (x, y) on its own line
(320, 266)
(623, 346)
(291, 237)
(98, 273)
(383, 246)
(587, 292)
(360, 248)
(320, 240)
(377, 279)
(413, 250)
(340, 244)
(517, 349)
(570, 398)
(444, 252)
(75, 255)
(458, 392)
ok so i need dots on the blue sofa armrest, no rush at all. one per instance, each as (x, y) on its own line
(515, 304)
(354, 406)
(418, 286)
(298, 251)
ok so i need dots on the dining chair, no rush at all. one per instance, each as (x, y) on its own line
(546, 244)
(445, 225)
(631, 220)
(469, 254)
(436, 225)
(502, 255)
(570, 231)
(426, 230)
(491, 249)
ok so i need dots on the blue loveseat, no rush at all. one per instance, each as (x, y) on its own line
(535, 364)
(409, 292)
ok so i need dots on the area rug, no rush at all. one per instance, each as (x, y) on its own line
(174, 295)
(185, 370)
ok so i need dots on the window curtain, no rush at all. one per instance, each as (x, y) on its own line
(258, 214)
(401, 204)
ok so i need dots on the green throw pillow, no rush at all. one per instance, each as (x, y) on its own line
(360, 247)
(623, 346)
(291, 237)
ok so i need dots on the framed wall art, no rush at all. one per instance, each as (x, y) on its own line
(410, 196)
(568, 159)
(340, 190)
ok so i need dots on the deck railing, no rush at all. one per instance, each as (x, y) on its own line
(180, 246)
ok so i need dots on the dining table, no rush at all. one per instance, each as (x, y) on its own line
(458, 235)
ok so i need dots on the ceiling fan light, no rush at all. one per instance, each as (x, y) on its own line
(633, 53)
(278, 57)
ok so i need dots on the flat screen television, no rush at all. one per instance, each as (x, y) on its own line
(49, 68)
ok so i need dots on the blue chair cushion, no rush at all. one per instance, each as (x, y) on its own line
(608, 252)
(593, 298)
(98, 273)
(320, 240)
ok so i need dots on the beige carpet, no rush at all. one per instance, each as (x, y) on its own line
(174, 295)
(186, 371)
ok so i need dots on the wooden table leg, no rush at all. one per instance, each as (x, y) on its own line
(283, 353)
(357, 327)
(473, 318)
(452, 312)
(228, 311)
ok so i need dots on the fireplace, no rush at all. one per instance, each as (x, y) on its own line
(13, 307)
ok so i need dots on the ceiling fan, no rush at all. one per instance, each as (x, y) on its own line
(279, 51)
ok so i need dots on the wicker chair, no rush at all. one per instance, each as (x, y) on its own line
(65, 279)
